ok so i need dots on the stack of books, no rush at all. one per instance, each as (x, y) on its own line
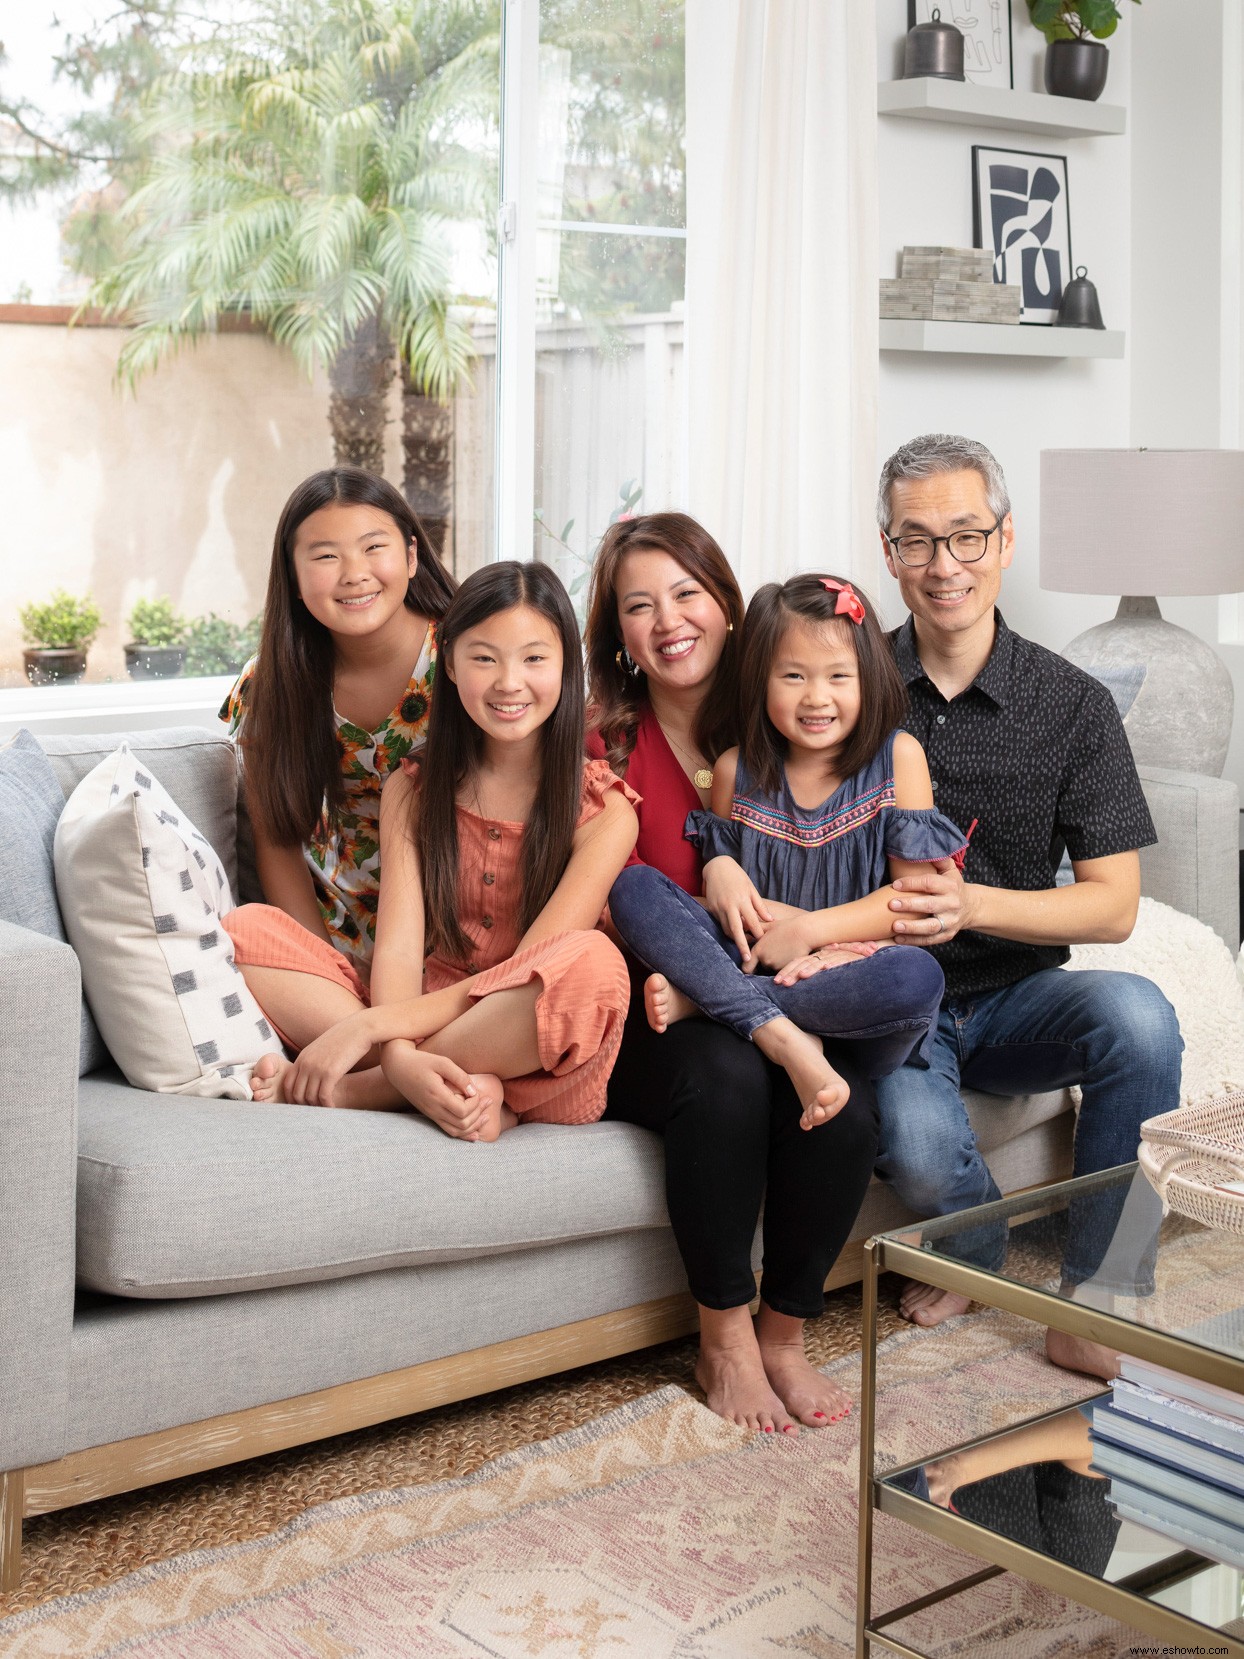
(953, 285)
(1174, 1452)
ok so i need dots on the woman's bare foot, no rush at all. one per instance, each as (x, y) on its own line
(732, 1374)
(1077, 1353)
(928, 1306)
(665, 1004)
(822, 1093)
(497, 1116)
(268, 1078)
(806, 1394)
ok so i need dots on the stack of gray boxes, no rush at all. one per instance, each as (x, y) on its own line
(950, 285)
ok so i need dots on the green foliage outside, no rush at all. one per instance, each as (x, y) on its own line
(215, 646)
(155, 622)
(1075, 19)
(64, 623)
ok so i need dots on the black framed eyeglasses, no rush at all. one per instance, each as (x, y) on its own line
(966, 547)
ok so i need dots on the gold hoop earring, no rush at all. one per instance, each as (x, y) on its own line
(625, 662)
(729, 627)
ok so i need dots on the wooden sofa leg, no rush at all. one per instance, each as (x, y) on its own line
(12, 1500)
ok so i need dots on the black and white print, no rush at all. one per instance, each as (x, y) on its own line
(1020, 211)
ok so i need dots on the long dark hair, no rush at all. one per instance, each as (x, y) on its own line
(617, 697)
(883, 696)
(455, 745)
(293, 759)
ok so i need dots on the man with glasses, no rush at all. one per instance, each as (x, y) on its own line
(1032, 749)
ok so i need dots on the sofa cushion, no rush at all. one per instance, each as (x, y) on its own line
(198, 768)
(31, 802)
(221, 1196)
(142, 893)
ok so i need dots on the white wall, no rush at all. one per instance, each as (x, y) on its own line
(1147, 220)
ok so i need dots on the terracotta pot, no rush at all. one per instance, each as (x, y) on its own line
(54, 665)
(1076, 69)
(154, 662)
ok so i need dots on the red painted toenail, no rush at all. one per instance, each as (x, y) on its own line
(818, 1414)
(768, 1428)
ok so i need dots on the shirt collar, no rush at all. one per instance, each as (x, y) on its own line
(994, 679)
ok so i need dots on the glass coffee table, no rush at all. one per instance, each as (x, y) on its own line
(1170, 1293)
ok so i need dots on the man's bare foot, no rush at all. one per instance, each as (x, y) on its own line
(822, 1093)
(736, 1388)
(928, 1306)
(665, 1004)
(1077, 1353)
(268, 1078)
(497, 1116)
(806, 1394)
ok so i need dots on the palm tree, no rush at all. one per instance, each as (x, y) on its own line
(301, 173)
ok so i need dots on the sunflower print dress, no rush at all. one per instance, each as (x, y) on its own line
(344, 859)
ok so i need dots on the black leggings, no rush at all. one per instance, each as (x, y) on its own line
(732, 1139)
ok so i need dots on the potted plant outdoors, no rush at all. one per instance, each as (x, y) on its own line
(215, 645)
(157, 651)
(1075, 66)
(59, 634)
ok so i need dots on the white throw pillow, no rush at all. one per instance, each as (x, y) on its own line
(142, 893)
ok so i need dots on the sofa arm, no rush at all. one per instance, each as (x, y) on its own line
(1195, 866)
(40, 1012)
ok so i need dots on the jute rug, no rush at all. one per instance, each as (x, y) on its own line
(657, 1530)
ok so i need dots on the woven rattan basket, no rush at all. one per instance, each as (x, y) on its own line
(1187, 1155)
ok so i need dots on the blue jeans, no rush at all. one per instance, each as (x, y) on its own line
(1114, 1034)
(880, 1007)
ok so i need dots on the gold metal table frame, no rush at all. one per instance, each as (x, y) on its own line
(1124, 1599)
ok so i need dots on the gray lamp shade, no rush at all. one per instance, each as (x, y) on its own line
(1142, 521)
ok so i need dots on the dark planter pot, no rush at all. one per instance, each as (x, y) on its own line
(1076, 69)
(52, 665)
(155, 662)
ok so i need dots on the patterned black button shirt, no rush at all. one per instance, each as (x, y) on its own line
(1035, 751)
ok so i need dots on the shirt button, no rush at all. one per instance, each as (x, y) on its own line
(494, 834)
(941, 719)
(487, 921)
(489, 878)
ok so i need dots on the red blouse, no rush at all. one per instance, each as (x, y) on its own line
(668, 795)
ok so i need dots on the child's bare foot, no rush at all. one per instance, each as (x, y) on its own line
(822, 1093)
(928, 1306)
(497, 1116)
(736, 1388)
(268, 1078)
(665, 1004)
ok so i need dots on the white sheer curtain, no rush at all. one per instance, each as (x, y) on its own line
(782, 283)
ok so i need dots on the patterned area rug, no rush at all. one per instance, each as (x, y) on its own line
(657, 1530)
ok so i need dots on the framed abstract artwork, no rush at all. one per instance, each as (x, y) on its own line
(986, 29)
(1020, 212)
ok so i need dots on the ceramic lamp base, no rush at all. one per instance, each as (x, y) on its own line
(1182, 714)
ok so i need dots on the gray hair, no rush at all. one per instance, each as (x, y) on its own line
(942, 452)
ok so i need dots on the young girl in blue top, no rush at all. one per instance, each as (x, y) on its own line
(822, 804)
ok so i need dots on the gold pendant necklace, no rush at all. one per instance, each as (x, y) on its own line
(702, 776)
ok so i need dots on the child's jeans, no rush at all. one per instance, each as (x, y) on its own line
(884, 1005)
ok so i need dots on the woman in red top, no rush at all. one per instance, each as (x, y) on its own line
(663, 651)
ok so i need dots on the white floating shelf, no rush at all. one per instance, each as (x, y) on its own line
(1000, 339)
(930, 99)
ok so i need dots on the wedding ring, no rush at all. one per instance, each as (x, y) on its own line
(940, 923)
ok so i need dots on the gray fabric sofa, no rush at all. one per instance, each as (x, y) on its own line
(191, 1282)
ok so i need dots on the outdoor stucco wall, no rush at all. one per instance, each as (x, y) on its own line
(175, 490)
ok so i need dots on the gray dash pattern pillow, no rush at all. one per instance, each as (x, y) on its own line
(31, 803)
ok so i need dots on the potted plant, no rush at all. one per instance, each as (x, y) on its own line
(59, 634)
(1075, 66)
(215, 645)
(156, 651)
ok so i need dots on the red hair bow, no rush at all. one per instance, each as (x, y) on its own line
(848, 600)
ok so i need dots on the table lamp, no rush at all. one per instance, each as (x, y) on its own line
(1142, 523)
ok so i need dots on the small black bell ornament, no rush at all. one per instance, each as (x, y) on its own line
(1080, 308)
(933, 49)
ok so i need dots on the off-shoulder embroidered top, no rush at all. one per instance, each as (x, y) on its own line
(817, 857)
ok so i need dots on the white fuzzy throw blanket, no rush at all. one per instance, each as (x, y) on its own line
(1192, 966)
